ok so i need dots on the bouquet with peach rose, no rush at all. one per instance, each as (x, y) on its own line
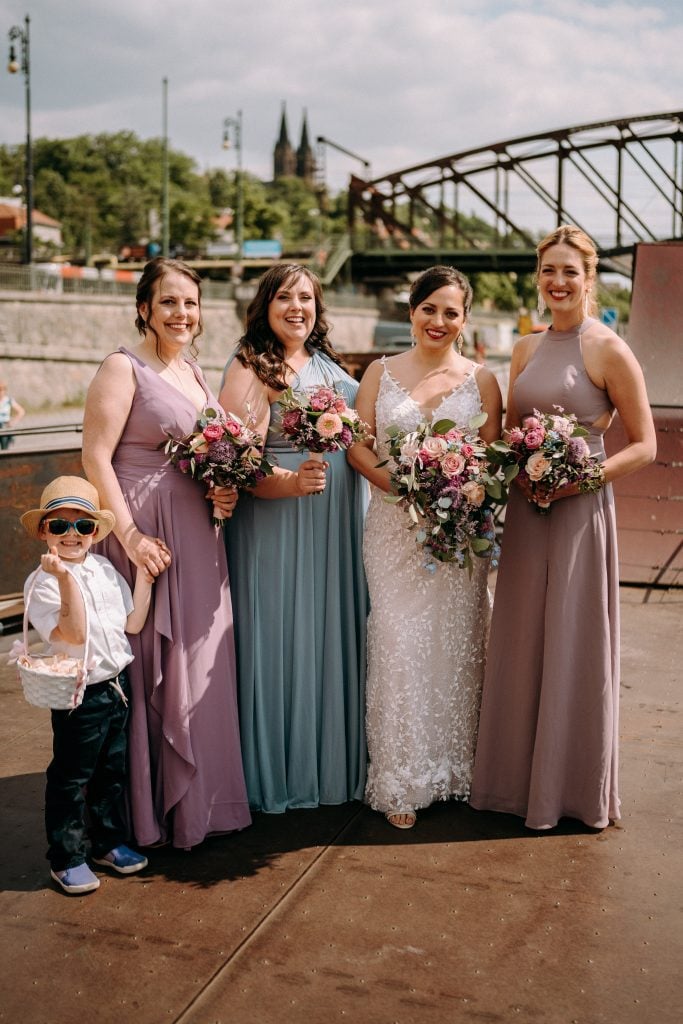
(549, 450)
(443, 479)
(221, 451)
(318, 420)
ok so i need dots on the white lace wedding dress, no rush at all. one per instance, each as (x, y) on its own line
(427, 634)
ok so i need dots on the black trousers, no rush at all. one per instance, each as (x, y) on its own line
(88, 770)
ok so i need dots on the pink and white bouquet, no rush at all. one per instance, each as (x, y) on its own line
(319, 420)
(221, 451)
(443, 479)
(549, 450)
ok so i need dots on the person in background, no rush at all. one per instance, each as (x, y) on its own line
(10, 414)
(548, 734)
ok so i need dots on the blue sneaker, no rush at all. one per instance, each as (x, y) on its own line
(76, 881)
(123, 860)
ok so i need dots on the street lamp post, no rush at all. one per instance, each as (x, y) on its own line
(23, 37)
(235, 123)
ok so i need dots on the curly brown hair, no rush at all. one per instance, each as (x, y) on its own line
(259, 347)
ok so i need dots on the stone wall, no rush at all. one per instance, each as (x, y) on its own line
(51, 346)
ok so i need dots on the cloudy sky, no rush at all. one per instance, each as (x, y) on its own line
(395, 81)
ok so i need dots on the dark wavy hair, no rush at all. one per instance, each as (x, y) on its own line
(259, 347)
(439, 277)
(153, 272)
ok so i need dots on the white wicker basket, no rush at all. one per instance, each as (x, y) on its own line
(44, 686)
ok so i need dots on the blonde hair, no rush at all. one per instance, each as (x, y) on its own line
(569, 234)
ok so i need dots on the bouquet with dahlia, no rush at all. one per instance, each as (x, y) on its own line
(319, 420)
(549, 450)
(443, 480)
(221, 451)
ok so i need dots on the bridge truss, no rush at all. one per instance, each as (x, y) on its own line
(621, 181)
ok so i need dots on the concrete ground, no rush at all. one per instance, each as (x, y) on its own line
(326, 915)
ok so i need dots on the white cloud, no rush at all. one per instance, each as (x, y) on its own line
(396, 81)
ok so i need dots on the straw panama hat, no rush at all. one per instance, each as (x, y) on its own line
(69, 492)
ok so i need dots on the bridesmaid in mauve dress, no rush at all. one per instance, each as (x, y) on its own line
(548, 732)
(186, 778)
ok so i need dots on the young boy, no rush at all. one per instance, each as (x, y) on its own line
(89, 743)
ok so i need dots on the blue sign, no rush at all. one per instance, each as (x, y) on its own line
(610, 317)
(262, 249)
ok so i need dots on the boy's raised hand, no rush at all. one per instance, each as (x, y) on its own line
(52, 563)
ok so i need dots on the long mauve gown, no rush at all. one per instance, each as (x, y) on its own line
(548, 732)
(186, 777)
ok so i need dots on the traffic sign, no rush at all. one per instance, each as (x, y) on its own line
(610, 317)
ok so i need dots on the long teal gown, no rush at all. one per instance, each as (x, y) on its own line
(300, 605)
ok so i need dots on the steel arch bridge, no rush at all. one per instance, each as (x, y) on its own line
(621, 181)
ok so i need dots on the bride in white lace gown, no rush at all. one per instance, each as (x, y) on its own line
(427, 629)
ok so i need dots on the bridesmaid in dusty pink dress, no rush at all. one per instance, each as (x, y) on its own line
(186, 778)
(548, 732)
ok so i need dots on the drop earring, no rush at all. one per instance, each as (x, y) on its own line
(540, 305)
(459, 343)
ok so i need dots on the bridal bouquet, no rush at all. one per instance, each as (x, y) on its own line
(319, 420)
(443, 479)
(549, 450)
(221, 451)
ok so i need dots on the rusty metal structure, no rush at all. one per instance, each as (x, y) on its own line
(621, 181)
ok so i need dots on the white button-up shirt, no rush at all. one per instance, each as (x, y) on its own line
(108, 602)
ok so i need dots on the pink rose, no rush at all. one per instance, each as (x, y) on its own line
(213, 431)
(291, 421)
(453, 434)
(435, 446)
(474, 492)
(467, 450)
(537, 466)
(233, 427)
(534, 437)
(452, 464)
(323, 399)
(531, 422)
(339, 405)
(329, 424)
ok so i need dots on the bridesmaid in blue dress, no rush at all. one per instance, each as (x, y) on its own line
(295, 557)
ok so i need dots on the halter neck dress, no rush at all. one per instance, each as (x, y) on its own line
(548, 732)
(186, 777)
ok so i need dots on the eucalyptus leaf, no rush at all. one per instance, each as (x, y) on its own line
(412, 513)
(480, 544)
(443, 426)
(445, 502)
(510, 472)
(479, 420)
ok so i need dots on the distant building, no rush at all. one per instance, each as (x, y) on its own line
(290, 163)
(13, 218)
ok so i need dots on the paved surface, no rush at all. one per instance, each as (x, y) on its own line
(330, 915)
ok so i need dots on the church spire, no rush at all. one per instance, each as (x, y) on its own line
(305, 158)
(284, 157)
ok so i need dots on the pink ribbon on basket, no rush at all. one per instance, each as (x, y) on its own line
(16, 651)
